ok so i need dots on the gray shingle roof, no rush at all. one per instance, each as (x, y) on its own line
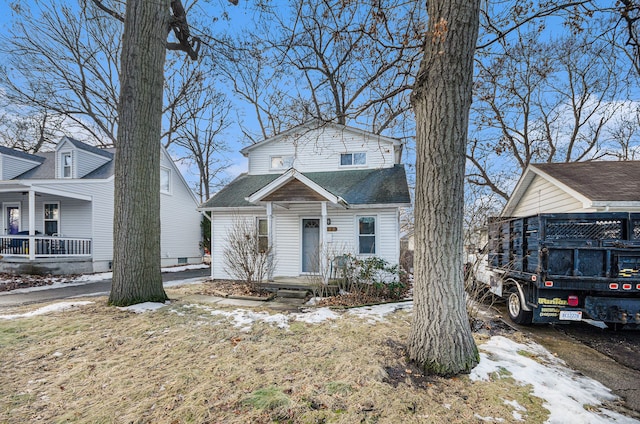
(20, 154)
(47, 169)
(88, 148)
(356, 187)
(598, 181)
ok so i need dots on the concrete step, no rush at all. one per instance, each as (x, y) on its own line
(292, 293)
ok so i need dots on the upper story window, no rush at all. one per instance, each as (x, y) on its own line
(67, 163)
(281, 162)
(350, 159)
(165, 180)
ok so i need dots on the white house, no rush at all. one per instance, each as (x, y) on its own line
(315, 191)
(58, 210)
(597, 186)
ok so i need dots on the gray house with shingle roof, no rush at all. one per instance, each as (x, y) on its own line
(314, 192)
(600, 186)
(58, 210)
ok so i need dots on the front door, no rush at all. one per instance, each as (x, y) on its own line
(11, 218)
(310, 245)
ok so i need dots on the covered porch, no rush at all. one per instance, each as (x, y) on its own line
(37, 233)
(304, 208)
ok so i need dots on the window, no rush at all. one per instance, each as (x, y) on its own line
(281, 162)
(51, 218)
(263, 235)
(165, 180)
(67, 162)
(367, 235)
(350, 159)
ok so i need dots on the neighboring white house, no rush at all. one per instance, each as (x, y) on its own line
(58, 210)
(603, 186)
(315, 191)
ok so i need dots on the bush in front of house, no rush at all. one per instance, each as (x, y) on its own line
(371, 277)
(246, 257)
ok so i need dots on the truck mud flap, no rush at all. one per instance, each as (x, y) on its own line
(612, 309)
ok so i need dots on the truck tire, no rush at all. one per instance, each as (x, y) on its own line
(514, 308)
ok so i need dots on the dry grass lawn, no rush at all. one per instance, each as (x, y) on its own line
(181, 364)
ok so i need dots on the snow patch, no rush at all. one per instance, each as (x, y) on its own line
(565, 392)
(143, 307)
(56, 307)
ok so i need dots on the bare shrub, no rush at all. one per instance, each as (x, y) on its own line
(246, 257)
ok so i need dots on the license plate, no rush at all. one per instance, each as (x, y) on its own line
(571, 315)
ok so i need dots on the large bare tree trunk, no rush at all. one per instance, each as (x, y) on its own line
(440, 340)
(136, 251)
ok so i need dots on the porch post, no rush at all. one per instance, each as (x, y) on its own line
(32, 224)
(324, 260)
(270, 236)
(211, 235)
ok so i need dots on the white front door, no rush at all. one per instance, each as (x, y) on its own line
(310, 245)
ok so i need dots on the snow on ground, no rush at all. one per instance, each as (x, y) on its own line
(568, 396)
(56, 307)
(94, 278)
(143, 307)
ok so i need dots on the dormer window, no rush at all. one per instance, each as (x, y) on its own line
(281, 162)
(67, 163)
(353, 159)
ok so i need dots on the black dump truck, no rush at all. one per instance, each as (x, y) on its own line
(558, 268)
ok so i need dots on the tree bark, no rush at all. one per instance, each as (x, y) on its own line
(136, 253)
(440, 340)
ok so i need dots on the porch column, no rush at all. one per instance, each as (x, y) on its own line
(211, 235)
(324, 260)
(270, 236)
(32, 224)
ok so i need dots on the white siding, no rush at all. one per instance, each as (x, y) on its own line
(11, 166)
(319, 150)
(287, 238)
(544, 197)
(220, 225)
(93, 219)
(86, 162)
(180, 221)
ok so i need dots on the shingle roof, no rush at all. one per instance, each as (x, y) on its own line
(88, 148)
(47, 169)
(356, 187)
(598, 181)
(20, 154)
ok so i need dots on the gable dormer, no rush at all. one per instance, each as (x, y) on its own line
(75, 159)
(15, 162)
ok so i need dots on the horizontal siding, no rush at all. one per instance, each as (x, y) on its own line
(87, 162)
(287, 235)
(12, 166)
(180, 221)
(96, 224)
(317, 151)
(544, 197)
(220, 225)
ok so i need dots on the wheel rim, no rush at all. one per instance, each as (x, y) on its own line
(514, 305)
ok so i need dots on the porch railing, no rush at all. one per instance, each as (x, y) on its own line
(45, 246)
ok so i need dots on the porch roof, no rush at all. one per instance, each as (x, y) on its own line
(13, 187)
(356, 187)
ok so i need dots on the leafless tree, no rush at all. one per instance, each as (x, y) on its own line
(246, 258)
(348, 62)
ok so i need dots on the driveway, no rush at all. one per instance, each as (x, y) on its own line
(97, 288)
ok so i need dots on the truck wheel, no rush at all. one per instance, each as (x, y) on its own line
(514, 308)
